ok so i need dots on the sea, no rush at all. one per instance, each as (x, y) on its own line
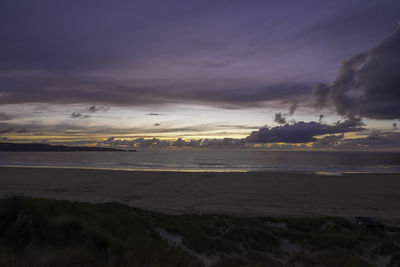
(221, 160)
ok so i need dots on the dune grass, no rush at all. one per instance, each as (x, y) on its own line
(44, 232)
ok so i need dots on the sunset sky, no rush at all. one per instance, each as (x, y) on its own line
(283, 74)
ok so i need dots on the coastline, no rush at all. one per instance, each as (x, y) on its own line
(335, 172)
(239, 193)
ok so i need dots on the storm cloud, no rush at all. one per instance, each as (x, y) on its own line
(301, 132)
(368, 84)
(321, 93)
(279, 118)
(197, 68)
(229, 55)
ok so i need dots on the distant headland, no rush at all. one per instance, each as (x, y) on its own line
(32, 147)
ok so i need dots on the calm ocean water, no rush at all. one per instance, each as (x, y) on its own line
(211, 160)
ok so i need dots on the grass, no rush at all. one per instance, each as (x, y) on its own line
(44, 232)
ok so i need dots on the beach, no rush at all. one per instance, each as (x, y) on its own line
(248, 193)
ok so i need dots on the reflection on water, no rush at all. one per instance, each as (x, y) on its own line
(212, 160)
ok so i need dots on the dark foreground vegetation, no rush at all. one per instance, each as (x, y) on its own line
(43, 232)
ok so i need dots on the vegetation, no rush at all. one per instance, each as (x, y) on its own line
(43, 232)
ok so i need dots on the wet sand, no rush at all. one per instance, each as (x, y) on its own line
(267, 194)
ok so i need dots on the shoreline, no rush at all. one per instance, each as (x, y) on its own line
(241, 193)
(164, 170)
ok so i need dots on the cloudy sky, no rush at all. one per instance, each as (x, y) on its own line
(313, 73)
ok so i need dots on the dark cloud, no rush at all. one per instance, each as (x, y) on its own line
(301, 132)
(22, 130)
(153, 114)
(293, 107)
(368, 84)
(66, 89)
(156, 124)
(203, 52)
(155, 142)
(91, 109)
(321, 116)
(352, 122)
(94, 109)
(237, 126)
(77, 115)
(321, 93)
(328, 141)
(71, 128)
(5, 117)
(94, 57)
(179, 142)
(279, 118)
(376, 140)
(7, 130)
(224, 143)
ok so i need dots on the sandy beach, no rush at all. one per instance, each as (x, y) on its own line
(267, 194)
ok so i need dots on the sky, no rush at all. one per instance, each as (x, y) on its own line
(291, 74)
